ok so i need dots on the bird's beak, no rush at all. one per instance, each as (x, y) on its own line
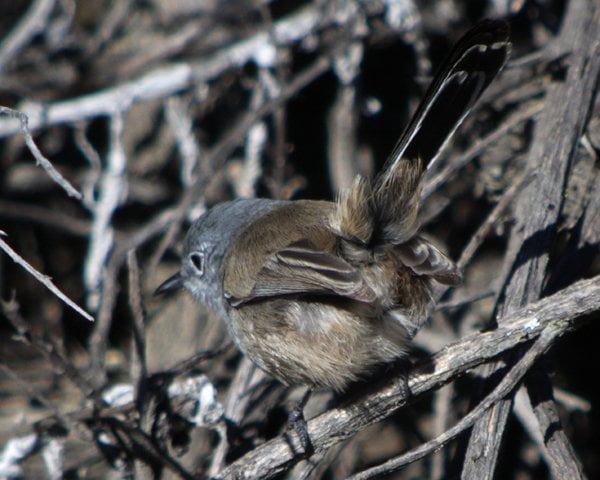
(174, 282)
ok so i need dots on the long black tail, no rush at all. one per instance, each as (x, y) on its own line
(474, 62)
(386, 210)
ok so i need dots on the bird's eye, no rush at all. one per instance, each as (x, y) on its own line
(197, 259)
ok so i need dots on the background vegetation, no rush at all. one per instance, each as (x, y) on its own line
(146, 113)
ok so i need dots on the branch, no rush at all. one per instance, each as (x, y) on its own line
(537, 211)
(168, 80)
(35, 151)
(555, 314)
(505, 387)
(33, 22)
(44, 279)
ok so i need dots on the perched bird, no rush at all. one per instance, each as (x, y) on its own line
(320, 293)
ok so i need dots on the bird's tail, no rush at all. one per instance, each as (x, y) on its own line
(385, 211)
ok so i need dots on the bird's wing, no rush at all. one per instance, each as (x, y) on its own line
(302, 269)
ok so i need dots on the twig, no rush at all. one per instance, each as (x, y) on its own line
(43, 279)
(247, 377)
(138, 370)
(252, 168)
(165, 81)
(56, 219)
(461, 302)
(556, 449)
(35, 151)
(434, 183)
(109, 23)
(523, 411)
(112, 190)
(276, 180)
(138, 360)
(571, 402)
(506, 386)
(246, 176)
(492, 219)
(442, 401)
(98, 338)
(93, 157)
(343, 119)
(32, 392)
(192, 362)
(142, 446)
(189, 149)
(49, 350)
(33, 22)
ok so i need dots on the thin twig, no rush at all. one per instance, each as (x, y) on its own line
(35, 151)
(28, 387)
(170, 79)
(492, 219)
(113, 186)
(56, 219)
(138, 360)
(527, 113)
(92, 177)
(461, 302)
(43, 279)
(188, 146)
(48, 349)
(33, 22)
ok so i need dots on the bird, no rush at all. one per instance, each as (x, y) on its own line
(321, 293)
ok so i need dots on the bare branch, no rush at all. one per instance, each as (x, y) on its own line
(555, 314)
(43, 279)
(173, 78)
(506, 386)
(113, 188)
(33, 22)
(536, 216)
(35, 151)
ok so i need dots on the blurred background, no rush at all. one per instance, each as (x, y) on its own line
(155, 110)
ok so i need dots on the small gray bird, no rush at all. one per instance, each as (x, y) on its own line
(320, 293)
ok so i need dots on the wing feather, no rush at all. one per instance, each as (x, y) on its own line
(301, 269)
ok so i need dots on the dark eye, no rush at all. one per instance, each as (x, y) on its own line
(197, 259)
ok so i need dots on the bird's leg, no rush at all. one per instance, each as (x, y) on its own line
(297, 422)
(403, 387)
